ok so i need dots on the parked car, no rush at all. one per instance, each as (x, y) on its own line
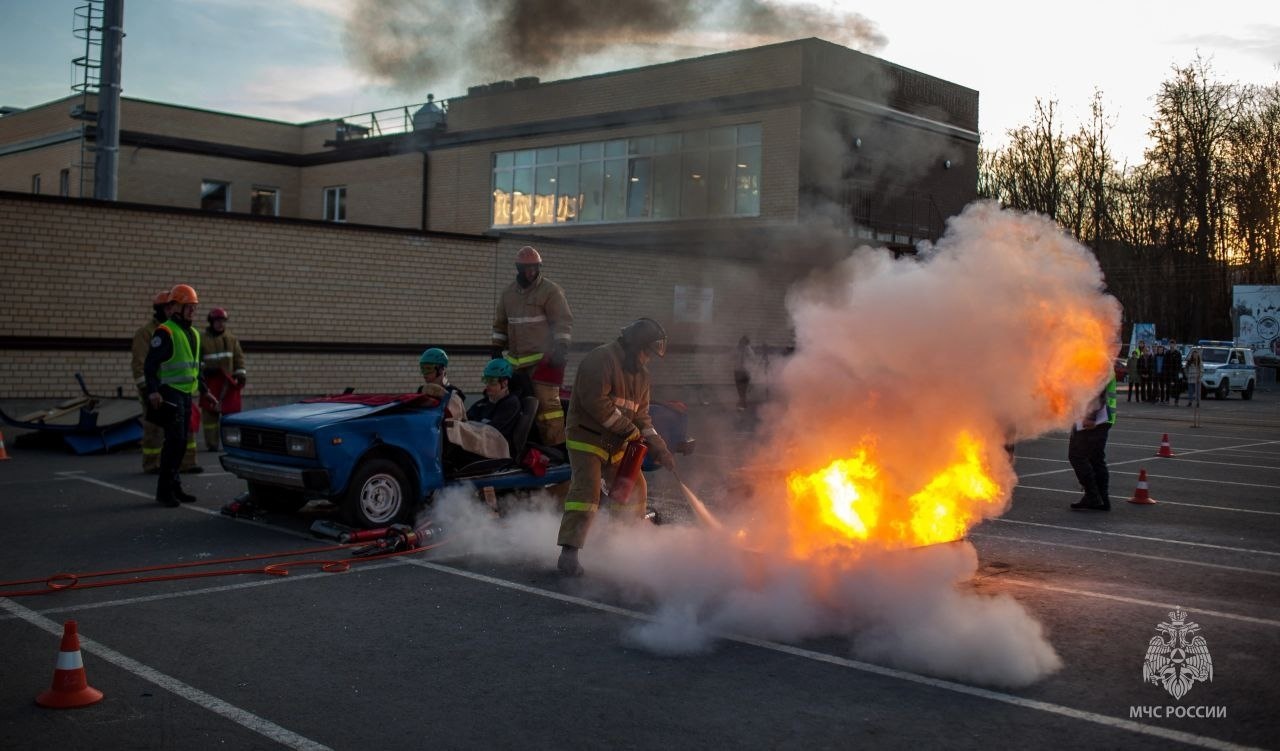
(380, 456)
(1227, 369)
(1122, 369)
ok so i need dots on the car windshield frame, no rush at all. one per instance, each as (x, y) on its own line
(1215, 355)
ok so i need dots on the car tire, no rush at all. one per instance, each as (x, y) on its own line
(1224, 389)
(1247, 394)
(379, 495)
(272, 498)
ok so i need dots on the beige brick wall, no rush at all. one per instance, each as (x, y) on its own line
(53, 117)
(461, 178)
(291, 281)
(386, 191)
(168, 178)
(693, 80)
(16, 169)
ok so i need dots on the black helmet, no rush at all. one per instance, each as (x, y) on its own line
(646, 334)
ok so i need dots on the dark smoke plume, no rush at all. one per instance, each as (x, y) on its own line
(420, 43)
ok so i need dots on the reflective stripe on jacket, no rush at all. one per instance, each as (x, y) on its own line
(608, 404)
(181, 371)
(223, 352)
(529, 321)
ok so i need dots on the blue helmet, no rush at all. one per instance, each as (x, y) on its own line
(434, 356)
(498, 368)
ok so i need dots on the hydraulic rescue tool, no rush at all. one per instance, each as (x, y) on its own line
(396, 538)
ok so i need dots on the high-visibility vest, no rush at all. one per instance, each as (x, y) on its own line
(1111, 400)
(181, 372)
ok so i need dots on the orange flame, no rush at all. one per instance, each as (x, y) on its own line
(849, 502)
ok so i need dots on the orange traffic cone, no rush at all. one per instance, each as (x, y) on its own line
(1165, 449)
(1141, 496)
(70, 688)
(3, 453)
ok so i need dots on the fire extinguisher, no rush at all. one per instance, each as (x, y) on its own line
(628, 471)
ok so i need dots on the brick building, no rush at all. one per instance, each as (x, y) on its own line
(696, 178)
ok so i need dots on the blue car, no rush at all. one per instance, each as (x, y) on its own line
(379, 456)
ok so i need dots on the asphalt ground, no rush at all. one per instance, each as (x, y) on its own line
(437, 651)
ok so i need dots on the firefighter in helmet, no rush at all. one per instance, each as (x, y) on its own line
(532, 330)
(224, 373)
(153, 435)
(173, 377)
(608, 409)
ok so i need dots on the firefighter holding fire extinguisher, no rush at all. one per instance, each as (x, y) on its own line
(222, 360)
(608, 414)
(532, 330)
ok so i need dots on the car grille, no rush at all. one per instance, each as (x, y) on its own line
(257, 439)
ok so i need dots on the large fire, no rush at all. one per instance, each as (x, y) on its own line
(852, 501)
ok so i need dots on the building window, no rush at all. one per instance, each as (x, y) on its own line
(335, 204)
(35, 183)
(264, 201)
(710, 172)
(64, 183)
(215, 195)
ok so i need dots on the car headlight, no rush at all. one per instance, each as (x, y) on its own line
(300, 445)
(230, 435)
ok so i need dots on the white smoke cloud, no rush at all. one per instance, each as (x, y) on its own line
(1001, 329)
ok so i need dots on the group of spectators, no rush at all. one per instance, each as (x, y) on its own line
(1157, 374)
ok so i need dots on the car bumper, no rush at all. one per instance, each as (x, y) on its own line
(314, 480)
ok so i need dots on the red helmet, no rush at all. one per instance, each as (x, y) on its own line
(183, 294)
(161, 298)
(217, 313)
(528, 255)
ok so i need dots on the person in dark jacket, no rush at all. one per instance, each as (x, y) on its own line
(499, 408)
(173, 377)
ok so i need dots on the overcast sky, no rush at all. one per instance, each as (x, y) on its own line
(286, 59)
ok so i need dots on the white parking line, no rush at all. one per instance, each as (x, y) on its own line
(187, 506)
(1138, 537)
(865, 667)
(1132, 600)
(1166, 503)
(1150, 458)
(241, 717)
(1127, 554)
(1163, 476)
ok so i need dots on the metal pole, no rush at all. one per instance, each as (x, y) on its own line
(107, 140)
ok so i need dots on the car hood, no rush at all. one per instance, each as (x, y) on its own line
(307, 416)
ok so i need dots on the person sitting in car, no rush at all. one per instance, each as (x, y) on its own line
(499, 408)
(434, 364)
(487, 430)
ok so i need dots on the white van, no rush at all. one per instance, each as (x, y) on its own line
(1227, 369)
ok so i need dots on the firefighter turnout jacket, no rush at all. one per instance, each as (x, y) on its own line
(141, 345)
(530, 321)
(222, 352)
(609, 405)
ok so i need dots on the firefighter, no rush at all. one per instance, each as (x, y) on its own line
(608, 409)
(532, 329)
(173, 377)
(224, 373)
(152, 435)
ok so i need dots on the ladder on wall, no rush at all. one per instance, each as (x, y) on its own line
(86, 78)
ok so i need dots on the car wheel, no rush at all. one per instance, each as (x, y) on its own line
(379, 494)
(272, 498)
(1247, 394)
(1224, 388)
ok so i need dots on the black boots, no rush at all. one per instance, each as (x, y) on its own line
(170, 493)
(1089, 503)
(568, 564)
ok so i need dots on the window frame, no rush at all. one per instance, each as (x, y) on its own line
(226, 197)
(340, 204)
(275, 199)
(616, 196)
